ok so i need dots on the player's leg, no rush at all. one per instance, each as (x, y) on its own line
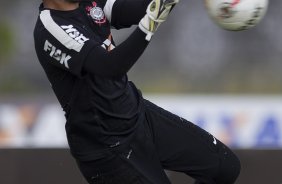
(135, 162)
(184, 147)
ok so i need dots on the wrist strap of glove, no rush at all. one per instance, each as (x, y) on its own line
(149, 26)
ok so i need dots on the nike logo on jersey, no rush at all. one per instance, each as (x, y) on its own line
(75, 34)
(57, 54)
(214, 140)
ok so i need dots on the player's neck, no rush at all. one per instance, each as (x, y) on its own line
(60, 5)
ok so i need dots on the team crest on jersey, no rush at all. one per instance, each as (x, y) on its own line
(96, 13)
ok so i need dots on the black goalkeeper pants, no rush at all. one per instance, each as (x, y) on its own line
(165, 141)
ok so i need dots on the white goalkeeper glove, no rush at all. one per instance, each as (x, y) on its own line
(157, 12)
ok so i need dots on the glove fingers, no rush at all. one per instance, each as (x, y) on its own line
(168, 3)
(159, 10)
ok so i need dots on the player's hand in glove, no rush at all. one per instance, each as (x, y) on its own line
(157, 12)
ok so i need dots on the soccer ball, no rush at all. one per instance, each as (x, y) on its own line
(236, 15)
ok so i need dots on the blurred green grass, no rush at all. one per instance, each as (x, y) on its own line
(6, 41)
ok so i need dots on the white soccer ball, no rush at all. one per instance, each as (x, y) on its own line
(236, 15)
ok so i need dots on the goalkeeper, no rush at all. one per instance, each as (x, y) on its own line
(115, 135)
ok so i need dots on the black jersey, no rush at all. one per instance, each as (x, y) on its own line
(88, 72)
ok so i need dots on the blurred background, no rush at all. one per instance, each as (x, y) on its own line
(229, 83)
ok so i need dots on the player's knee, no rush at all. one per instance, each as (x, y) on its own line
(229, 168)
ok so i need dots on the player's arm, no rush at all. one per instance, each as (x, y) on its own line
(118, 61)
(122, 58)
(125, 13)
(70, 48)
